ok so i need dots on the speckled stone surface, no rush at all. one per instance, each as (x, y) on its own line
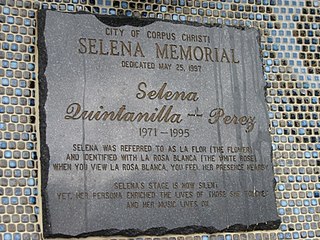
(209, 151)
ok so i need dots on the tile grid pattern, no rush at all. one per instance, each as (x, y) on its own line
(290, 44)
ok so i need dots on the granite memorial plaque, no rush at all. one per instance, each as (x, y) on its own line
(152, 127)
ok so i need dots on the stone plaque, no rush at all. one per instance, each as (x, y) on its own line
(151, 127)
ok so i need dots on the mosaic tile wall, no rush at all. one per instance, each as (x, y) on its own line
(291, 55)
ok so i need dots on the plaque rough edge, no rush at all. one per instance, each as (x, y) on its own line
(114, 21)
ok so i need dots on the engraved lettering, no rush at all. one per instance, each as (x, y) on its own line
(110, 47)
(218, 114)
(195, 53)
(83, 47)
(74, 112)
(163, 94)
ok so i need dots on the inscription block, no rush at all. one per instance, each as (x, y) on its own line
(152, 127)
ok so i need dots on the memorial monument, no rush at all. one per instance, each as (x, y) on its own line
(152, 127)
